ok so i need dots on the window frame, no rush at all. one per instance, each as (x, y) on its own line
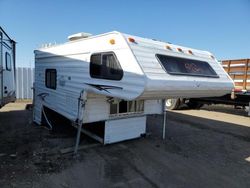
(49, 71)
(187, 74)
(135, 111)
(102, 77)
(7, 54)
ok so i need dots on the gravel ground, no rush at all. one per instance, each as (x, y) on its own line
(203, 148)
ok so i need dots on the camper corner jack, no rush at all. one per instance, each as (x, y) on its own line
(79, 120)
(164, 120)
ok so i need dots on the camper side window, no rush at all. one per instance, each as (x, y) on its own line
(50, 78)
(8, 61)
(105, 66)
(126, 107)
(183, 66)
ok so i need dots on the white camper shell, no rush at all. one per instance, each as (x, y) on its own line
(118, 79)
(7, 69)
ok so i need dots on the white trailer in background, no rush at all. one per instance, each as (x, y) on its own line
(7, 69)
(110, 82)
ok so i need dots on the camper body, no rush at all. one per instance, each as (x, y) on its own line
(7, 69)
(117, 79)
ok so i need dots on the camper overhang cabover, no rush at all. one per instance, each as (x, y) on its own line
(121, 79)
(7, 69)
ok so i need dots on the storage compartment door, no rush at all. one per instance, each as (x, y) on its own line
(118, 130)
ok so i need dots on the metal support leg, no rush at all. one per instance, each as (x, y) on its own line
(81, 105)
(164, 120)
(79, 130)
(249, 109)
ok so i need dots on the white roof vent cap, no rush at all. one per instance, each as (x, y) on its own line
(79, 36)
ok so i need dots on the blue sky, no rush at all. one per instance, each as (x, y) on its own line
(219, 26)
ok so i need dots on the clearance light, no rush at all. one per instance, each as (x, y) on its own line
(190, 52)
(237, 90)
(131, 39)
(168, 47)
(212, 56)
(112, 41)
(180, 50)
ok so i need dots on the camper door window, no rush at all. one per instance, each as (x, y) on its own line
(105, 66)
(183, 66)
(50, 78)
(8, 61)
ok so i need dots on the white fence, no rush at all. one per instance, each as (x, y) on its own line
(24, 82)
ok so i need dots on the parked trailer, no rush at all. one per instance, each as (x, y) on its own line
(7, 69)
(110, 82)
(239, 71)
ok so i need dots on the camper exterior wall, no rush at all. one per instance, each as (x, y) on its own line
(77, 53)
(71, 61)
(165, 85)
(97, 108)
(72, 74)
(7, 69)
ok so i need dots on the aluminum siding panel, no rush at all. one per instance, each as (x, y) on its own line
(161, 84)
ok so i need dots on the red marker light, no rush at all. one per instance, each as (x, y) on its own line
(179, 49)
(131, 39)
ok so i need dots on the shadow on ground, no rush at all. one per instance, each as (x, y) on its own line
(197, 152)
(229, 109)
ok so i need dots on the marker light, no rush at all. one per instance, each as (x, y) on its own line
(179, 49)
(237, 90)
(131, 39)
(190, 52)
(212, 56)
(112, 41)
(168, 47)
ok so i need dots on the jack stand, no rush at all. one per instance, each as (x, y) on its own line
(79, 130)
(164, 120)
(81, 105)
(249, 109)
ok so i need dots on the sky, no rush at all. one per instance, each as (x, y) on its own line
(219, 26)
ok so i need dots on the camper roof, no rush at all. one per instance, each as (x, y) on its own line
(78, 37)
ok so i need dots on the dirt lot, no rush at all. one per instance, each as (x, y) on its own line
(203, 148)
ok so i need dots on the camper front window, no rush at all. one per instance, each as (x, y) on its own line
(105, 66)
(183, 66)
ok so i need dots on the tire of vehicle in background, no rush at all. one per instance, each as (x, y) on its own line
(172, 104)
(194, 105)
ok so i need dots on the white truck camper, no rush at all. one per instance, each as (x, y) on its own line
(110, 82)
(7, 69)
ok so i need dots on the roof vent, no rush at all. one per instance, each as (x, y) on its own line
(78, 36)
